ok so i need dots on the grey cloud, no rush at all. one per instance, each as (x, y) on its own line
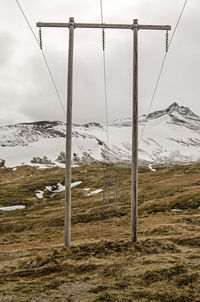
(27, 85)
(7, 48)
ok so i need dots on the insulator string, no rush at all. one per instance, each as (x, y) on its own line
(103, 39)
(167, 41)
(40, 37)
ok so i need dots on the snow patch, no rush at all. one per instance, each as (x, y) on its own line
(176, 210)
(151, 168)
(95, 192)
(61, 188)
(39, 194)
(48, 188)
(76, 183)
(12, 208)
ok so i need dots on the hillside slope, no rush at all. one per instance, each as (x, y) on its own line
(170, 136)
(102, 264)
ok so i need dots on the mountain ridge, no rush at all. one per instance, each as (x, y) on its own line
(171, 135)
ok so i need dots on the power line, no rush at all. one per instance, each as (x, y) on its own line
(44, 57)
(162, 66)
(104, 72)
(46, 63)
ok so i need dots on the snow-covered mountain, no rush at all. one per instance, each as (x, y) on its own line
(170, 136)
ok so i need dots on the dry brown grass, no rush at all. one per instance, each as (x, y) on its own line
(102, 264)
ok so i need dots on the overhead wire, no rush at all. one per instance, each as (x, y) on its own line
(104, 72)
(44, 56)
(46, 63)
(162, 66)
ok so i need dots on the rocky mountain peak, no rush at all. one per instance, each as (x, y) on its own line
(180, 109)
(174, 107)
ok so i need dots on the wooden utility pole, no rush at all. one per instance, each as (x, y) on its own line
(134, 174)
(69, 135)
(134, 167)
(104, 191)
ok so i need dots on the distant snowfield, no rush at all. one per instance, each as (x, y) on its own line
(170, 136)
(86, 143)
(18, 155)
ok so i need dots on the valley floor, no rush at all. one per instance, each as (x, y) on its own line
(102, 264)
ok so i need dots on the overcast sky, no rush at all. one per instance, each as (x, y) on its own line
(26, 91)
